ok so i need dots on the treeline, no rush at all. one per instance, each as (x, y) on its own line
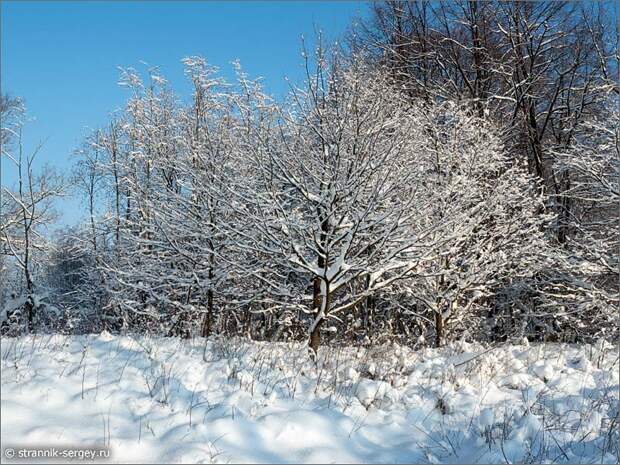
(452, 174)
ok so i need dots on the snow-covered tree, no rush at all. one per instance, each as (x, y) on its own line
(26, 212)
(593, 167)
(487, 214)
(339, 194)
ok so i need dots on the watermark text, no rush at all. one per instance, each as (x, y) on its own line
(54, 453)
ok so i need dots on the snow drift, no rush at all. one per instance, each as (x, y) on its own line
(170, 400)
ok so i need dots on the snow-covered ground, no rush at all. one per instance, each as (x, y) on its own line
(168, 400)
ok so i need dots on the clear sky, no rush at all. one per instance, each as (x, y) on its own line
(63, 57)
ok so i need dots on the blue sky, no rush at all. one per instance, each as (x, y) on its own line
(63, 57)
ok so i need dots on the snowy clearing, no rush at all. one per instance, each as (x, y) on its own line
(169, 400)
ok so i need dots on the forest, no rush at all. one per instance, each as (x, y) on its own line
(449, 173)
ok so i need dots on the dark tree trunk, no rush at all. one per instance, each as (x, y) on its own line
(439, 329)
(315, 339)
(315, 335)
(564, 215)
(207, 320)
(370, 308)
(317, 301)
(29, 307)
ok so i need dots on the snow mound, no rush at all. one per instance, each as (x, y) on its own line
(169, 400)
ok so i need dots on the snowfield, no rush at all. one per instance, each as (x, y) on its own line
(172, 400)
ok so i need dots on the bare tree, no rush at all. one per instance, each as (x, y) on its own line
(27, 210)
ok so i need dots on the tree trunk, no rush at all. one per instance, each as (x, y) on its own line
(315, 335)
(369, 309)
(317, 301)
(477, 56)
(315, 339)
(439, 329)
(565, 208)
(29, 307)
(206, 322)
(117, 188)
